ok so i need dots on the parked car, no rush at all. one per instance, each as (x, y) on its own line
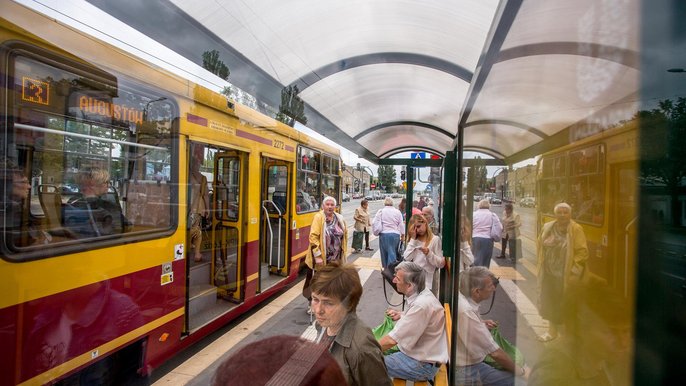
(496, 200)
(527, 202)
(346, 197)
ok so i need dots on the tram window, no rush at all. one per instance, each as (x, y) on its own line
(587, 183)
(331, 178)
(99, 153)
(307, 195)
(228, 187)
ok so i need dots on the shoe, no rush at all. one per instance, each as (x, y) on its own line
(545, 338)
(356, 251)
(369, 249)
(501, 256)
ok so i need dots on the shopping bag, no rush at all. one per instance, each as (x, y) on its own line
(509, 349)
(357, 240)
(382, 330)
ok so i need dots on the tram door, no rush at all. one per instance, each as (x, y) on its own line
(274, 217)
(215, 214)
(623, 225)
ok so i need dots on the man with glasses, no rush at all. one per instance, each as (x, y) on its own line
(474, 340)
(419, 332)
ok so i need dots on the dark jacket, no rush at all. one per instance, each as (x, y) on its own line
(359, 354)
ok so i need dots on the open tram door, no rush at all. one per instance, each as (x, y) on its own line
(274, 215)
(216, 188)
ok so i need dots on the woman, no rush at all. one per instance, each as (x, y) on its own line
(562, 255)
(362, 226)
(511, 223)
(466, 256)
(328, 241)
(389, 221)
(336, 291)
(424, 248)
(482, 242)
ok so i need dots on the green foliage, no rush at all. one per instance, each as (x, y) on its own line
(212, 63)
(387, 176)
(292, 108)
(480, 175)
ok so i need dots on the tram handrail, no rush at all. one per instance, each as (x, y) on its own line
(626, 254)
(271, 232)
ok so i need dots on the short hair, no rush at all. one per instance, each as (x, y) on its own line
(388, 201)
(329, 198)
(280, 358)
(92, 175)
(475, 278)
(340, 281)
(364, 201)
(484, 204)
(414, 274)
(509, 206)
(562, 205)
(428, 210)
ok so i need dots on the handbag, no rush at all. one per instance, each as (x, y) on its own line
(510, 349)
(382, 330)
(401, 249)
(388, 273)
(496, 229)
(377, 225)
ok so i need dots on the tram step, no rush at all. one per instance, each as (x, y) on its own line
(200, 274)
(202, 297)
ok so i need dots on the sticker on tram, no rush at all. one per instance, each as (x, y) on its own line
(178, 252)
(167, 274)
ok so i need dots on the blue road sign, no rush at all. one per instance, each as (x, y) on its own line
(418, 155)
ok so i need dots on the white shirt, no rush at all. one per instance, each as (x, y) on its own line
(481, 223)
(474, 340)
(392, 220)
(420, 332)
(430, 262)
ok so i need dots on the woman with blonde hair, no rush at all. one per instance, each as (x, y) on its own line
(424, 248)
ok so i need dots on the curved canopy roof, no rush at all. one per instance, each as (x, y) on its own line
(385, 76)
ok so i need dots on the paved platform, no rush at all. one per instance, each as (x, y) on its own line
(514, 309)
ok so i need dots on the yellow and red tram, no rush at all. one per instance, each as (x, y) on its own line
(86, 290)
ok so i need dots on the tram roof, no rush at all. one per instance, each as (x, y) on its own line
(388, 76)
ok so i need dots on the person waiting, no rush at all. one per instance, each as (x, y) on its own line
(419, 331)
(92, 213)
(389, 223)
(474, 340)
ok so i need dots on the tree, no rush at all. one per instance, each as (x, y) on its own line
(662, 152)
(480, 175)
(386, 176)
(292, 108)
(212, 63)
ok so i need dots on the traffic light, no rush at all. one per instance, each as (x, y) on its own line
(402, 175)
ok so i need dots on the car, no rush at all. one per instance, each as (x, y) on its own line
(496, 201)
(346, 197)
(527, 202)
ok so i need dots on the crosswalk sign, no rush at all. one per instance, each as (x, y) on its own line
(418, 155)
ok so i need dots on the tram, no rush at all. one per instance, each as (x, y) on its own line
(597, 175)
(203, 210)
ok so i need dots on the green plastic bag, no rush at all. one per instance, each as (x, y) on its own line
(509, 349)
(383, 329)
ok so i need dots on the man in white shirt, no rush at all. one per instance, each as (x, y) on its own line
(474, 340)
(419, 332)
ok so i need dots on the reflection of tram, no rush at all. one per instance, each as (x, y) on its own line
(597, 177)
(123, 298)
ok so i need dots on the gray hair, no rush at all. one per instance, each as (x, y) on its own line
(562, 205)
(484, 204)
(329, 198)
(414, 274)
(474, 278)
(428, 210)
(388, 201)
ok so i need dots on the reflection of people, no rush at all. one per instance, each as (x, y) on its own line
(562, 255)
(15, 189)
(511, 223)
(279, 360)
(328, 240)
(595, 349)
(466, 256)
(419, 331)
(482, 243)
(362, 226)
(392, 228)
(424, 248)
(303, 199)
(91, 213)
(474, 340)
(200, 201)
(336, 291)
(428, 212)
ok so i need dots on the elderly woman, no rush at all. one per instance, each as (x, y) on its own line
(328, 240)
(424, 248)
(562, 255)
(511, 223)
(336, 291)
(362, 226)
(482, 242)
(390, 222)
